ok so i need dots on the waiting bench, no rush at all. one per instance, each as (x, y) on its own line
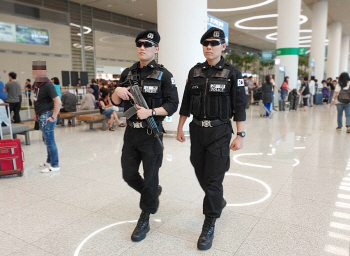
(21, 129)
(72, 115)
(93, 118)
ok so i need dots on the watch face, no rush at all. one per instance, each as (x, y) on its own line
(242, 134)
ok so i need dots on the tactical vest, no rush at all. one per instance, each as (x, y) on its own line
(151, 89)
(210, 97)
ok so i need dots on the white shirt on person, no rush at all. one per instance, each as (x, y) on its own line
(312, 87)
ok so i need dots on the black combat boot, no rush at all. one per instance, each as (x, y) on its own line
(160, 189)
(205, 240)
(223, 204)
(142, 227)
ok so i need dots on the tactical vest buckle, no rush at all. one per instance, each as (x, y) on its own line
(137, 124)
(206, 123)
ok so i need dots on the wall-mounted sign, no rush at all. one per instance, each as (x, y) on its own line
(15, 33)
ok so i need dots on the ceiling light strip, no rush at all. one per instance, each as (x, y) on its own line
(303, 19)
(242, 8)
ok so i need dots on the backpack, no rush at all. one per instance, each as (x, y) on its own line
(344, 95)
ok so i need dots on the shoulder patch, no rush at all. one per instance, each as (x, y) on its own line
(173, 81)
(240, 82)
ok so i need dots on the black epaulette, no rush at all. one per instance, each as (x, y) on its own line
(160, 66)
(199, 63)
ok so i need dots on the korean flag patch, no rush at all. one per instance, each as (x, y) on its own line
(240, 82)
(173, 81)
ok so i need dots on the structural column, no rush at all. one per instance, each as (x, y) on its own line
(180, 49)
(344, 54)
(319, 31)
(333, 53)
(288, 37)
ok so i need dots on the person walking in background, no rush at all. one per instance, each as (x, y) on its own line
(3, 95)
(56, 83)
(14, 96)
(47, 105)
(331, 88)
(28, 91)
(267, 94)
(285, 88)
(312, 89)
(305, 92)
(159, 90)
(214, 93)
(344, 84)
(3, 114)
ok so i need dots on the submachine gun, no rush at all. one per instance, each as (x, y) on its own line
(140, 100)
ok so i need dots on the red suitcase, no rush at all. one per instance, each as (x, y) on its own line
(11, 155)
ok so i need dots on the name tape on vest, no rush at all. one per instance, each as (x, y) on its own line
(217, 87)
(150, 89)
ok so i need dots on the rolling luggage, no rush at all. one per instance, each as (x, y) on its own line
(294, 104)
(318, 99)
(11, 155)
(281, 105)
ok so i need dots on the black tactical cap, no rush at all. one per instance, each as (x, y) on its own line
(213, 33)
(150, 35)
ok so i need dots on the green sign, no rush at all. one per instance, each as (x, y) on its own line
(291, 51)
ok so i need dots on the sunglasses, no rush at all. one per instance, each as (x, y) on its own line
(211, 43)
(144, 44)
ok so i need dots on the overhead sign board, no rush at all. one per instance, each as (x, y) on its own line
(291, 51)
(217, 23)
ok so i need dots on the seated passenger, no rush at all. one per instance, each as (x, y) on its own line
(106, 109)
(88, 101)
(69, 102)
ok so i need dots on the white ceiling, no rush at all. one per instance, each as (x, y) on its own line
(338, 11)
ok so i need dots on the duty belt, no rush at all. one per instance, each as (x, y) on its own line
(140, 124)
(209, 123)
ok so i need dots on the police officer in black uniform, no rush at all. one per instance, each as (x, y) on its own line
(159, 90)
(214, 93)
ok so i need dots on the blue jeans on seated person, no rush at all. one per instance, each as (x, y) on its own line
(48, 128)
(108, 112)
(346, 108)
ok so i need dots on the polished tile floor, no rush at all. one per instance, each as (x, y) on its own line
(288, 193)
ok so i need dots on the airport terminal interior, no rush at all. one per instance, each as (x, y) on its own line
(287, 189)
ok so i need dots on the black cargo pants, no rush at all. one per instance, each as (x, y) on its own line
(140, 146)
(210, 157)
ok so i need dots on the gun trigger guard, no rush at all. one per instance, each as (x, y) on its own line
(149, 131)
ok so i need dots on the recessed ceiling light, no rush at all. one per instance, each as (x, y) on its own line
(303, 19)
(241, 8)
(109, 5)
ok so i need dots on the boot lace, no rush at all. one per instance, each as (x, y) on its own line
(208, 226)
(142, 220)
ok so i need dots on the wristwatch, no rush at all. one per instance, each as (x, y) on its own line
(242, 134)
(153, 112)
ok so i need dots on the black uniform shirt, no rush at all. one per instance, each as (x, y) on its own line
(168, 87)
(237, 93)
